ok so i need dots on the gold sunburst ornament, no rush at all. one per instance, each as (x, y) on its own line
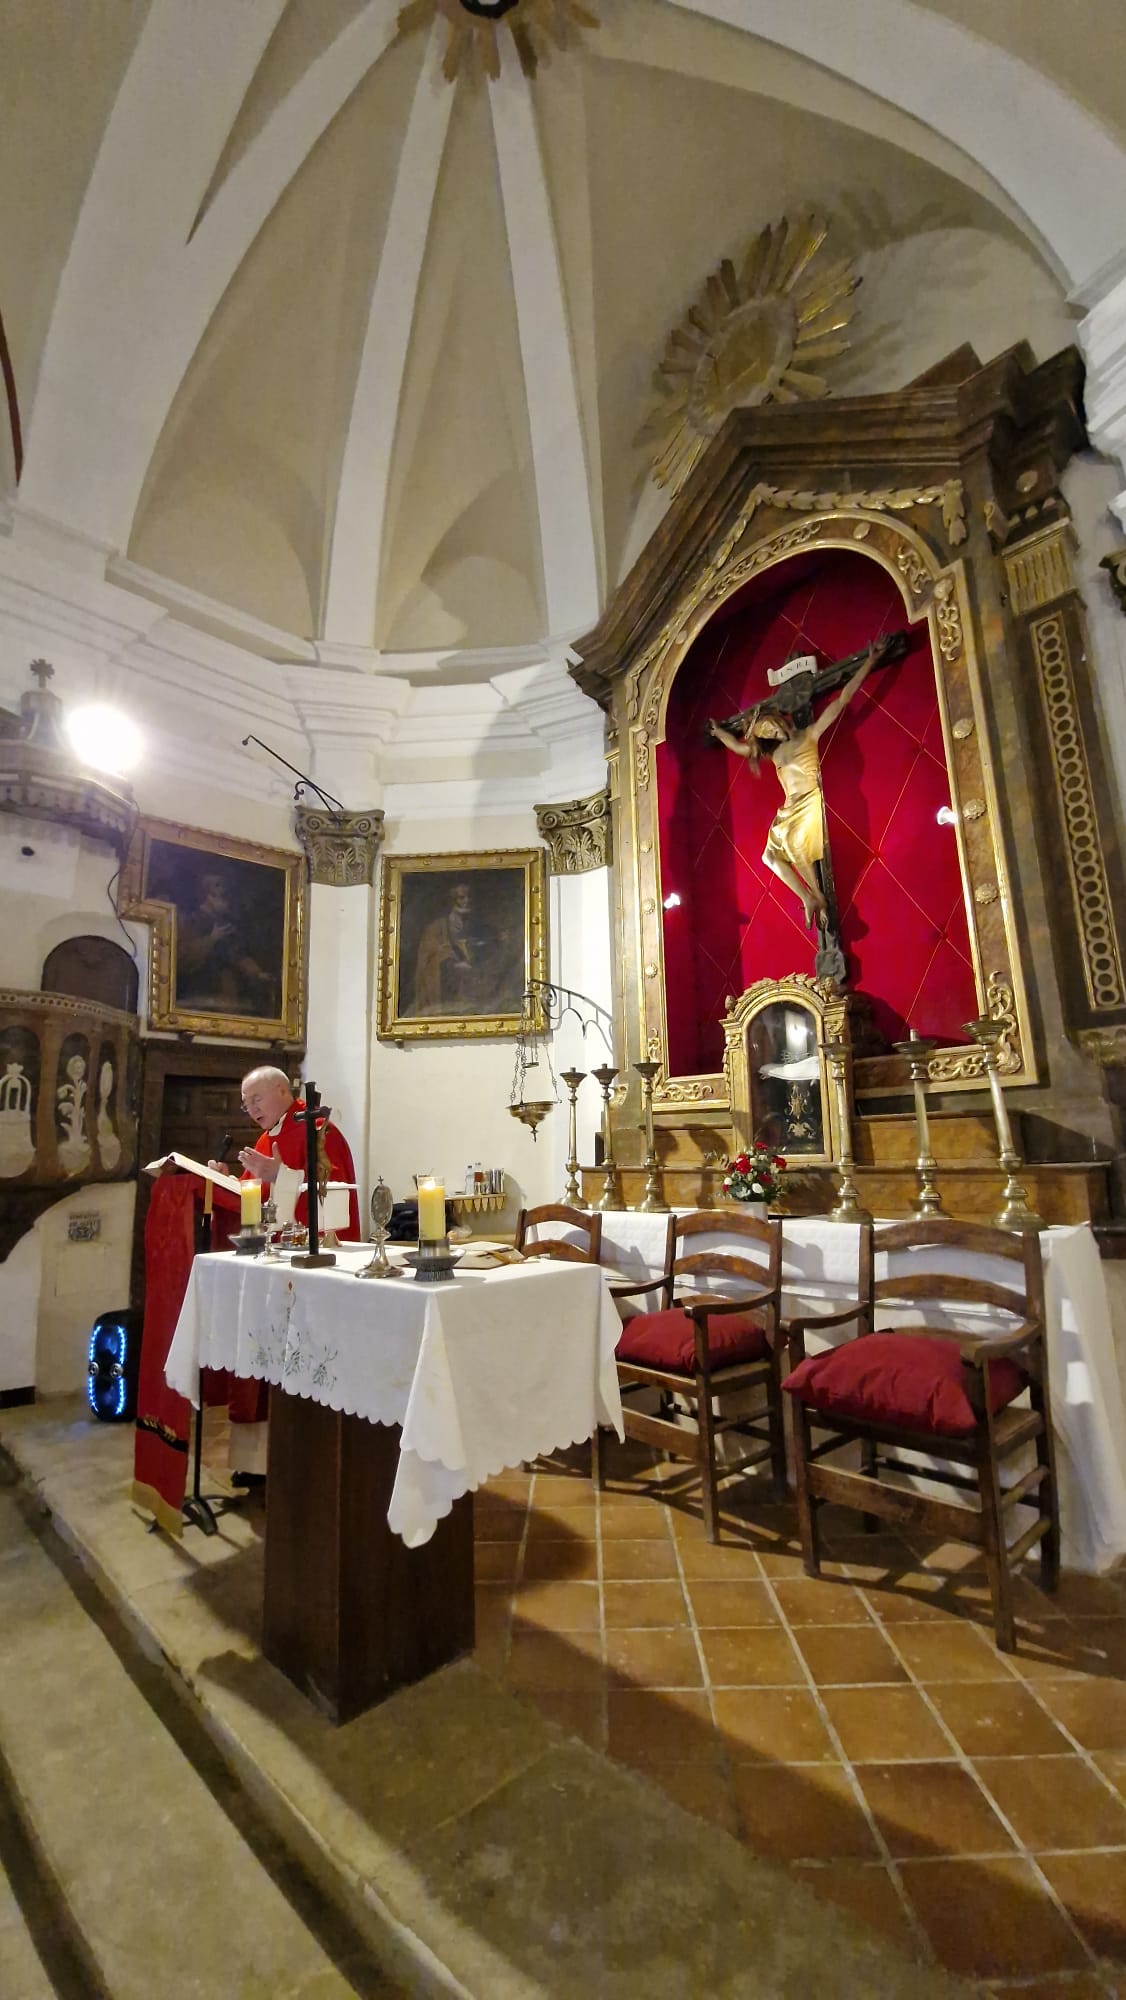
(472, 43)
(753, 335)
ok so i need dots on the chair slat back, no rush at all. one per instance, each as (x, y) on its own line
(744, 1248)
(963, 1240)
(586, 1227)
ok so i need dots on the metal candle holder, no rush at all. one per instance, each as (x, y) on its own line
(928, 1203)
(848, 1206)
(379, 1264)
(572, 1192)
(653, 1202)
(436, 1262)
(1014, 1212)
(611, 1196)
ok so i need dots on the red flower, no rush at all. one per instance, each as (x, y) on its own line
(780, 1164)
(741, 1165)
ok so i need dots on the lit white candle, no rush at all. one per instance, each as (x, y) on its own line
(431, 1210)
(250, 1203)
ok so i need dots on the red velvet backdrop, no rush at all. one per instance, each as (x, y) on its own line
(899, 888)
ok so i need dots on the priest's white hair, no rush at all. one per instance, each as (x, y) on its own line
(268, 1073)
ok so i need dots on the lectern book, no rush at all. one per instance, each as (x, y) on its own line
(229, 1181)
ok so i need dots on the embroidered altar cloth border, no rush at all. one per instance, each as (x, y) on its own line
(481, 1372)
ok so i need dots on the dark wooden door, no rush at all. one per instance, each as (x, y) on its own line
(199, 1112)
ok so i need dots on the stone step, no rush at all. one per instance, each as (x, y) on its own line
(151, 1873)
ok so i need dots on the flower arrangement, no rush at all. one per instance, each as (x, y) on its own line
(755, 1176)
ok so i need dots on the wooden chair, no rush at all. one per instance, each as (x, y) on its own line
(586, 1225)
(948, 1391)
(703, 1345)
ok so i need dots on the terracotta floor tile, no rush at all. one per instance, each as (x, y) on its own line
(910, 1598)
(492, 1606)
(878, 1724)
(567, 1561)
(495, 1562)
(1057, 1986)
(654, 1659)
(497, 1524)
(998, 1719)
(557, 1665)
(1093, 1711)
(931, 1809)
(951, 1652)
(637, 1560)
(1090, 1596)
(559, 1607)
(1060, 1650)
(633, 1520)
(1099, 1645)
(866, 1893)
(990, 1920)
(718, 1562)
(1112, 1764)
(702, 1789)
(510, 1485)
(581, 1715)
(802, 1812)
(731, 1603)
(812, 1600)
(778, 1562)
(757, 1656)
(775, 1725)
(839, 1656)
(646, 1603)
(1092, 1888)
(675, 1725)
(559, 1524)
(1054, 1802)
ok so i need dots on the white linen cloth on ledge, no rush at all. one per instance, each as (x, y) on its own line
(481, 1372)
(819, 1271)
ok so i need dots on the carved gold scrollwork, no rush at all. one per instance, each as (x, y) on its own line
(340, 847)
(1038, 568)
(912, 569)
(949, 619)
(577, 835)
(974, 809)
(963, 728)
(1106, 1046)
(956, 1065)
(642, 761)
(1098, 940)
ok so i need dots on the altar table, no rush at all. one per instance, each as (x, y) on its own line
(819, 1271)
(399, 1399)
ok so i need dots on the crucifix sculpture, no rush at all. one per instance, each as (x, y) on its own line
(314, 1116)
(785, 728)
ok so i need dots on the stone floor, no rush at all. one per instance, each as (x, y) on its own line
(861, 1729)
(964, 1811)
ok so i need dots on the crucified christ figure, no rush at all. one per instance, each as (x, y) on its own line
(795, 845)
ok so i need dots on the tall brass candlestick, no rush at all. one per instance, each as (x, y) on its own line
(611, 1196)
(572, 1193)
(848, 1206)
(928, 1202)
(1014, 1212)
(653, 1202)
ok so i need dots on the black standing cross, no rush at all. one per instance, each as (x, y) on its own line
(314, 1115)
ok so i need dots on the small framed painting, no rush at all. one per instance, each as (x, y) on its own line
(461, 935)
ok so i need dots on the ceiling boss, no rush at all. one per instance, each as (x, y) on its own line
(754, 335)
(472, 43)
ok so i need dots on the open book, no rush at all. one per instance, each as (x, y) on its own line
(229, 1181)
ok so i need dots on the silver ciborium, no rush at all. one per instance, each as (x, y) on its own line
(382, 1202)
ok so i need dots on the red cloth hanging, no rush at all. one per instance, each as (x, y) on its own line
(160, 1453)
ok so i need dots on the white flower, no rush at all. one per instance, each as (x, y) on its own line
(757, 1187)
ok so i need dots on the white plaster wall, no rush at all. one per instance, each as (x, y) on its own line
(20, 1279)
(340, 1011)
(79, 1281)
(53, 885)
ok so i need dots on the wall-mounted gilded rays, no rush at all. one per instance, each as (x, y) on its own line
(756, 334)
(473, 31)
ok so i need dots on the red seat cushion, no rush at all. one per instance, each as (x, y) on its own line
(899, 1378)
(668, 1340)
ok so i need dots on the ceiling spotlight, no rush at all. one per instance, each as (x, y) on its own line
(103, 739)
(946, 816)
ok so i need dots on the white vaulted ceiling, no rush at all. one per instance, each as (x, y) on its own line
(302, 329)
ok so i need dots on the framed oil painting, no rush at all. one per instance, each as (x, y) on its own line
(228, 918)
(460, 937)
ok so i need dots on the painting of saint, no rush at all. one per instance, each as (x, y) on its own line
(229, 931)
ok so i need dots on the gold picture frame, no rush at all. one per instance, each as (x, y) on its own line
(461, 935)
(228, 931)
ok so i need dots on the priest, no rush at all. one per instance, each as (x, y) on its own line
(269, 1099)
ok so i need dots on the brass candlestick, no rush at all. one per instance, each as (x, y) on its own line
(572, 1193)
(1014, 1212)
(653, 1202)
(611, 1196)
(848, 1207)
(928, 1202)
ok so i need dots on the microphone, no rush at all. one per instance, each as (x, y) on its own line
(225, 1147)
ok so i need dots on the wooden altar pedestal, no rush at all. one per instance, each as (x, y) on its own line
(350, 1613)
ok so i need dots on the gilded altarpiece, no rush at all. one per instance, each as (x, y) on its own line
(932, 486)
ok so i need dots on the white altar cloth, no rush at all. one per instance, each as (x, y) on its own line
(819, 1271)
(481, 1372)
